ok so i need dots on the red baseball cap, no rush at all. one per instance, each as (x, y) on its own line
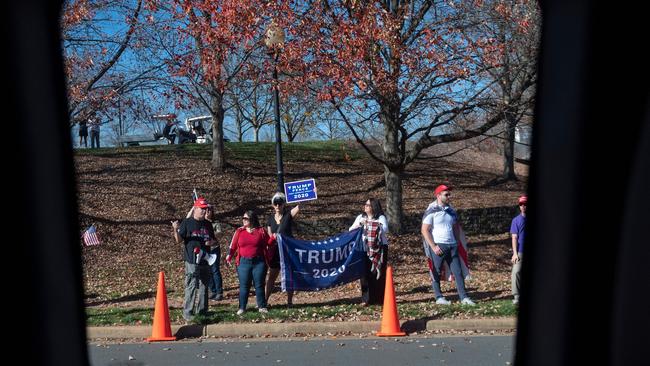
(201, 202)
(441, 188)
(523, 199)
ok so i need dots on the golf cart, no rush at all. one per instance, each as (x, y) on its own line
(201, 127)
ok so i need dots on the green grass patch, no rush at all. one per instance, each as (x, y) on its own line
(492, 308)
(118, 316)
(196, 150)
(300, 313)
(295, 151)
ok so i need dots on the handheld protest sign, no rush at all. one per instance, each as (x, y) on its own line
(302, 190)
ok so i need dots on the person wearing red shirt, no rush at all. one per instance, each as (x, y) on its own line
(252, 245)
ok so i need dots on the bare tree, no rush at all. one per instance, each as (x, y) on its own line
(252, 101)
(298, 114)
(330, 126)
(516, 27)
(96, 74)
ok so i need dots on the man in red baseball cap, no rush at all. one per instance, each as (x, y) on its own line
(201, 203)
(523, 199)
(441, 188)
(196, 233)
(441, 233)
(517, 229)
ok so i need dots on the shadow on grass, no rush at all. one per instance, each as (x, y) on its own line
(337, 302)
(416, 290)
(134, 297)
(486, 243)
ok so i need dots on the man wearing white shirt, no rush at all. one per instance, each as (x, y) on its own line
(440, 231)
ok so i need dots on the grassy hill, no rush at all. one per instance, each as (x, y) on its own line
(132, 194)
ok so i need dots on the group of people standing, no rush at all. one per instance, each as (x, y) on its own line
(252, 247)
(257, 259)
(93, 125)
(256, 252)
(442, 234)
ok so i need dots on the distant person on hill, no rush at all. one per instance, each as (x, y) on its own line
(375, 227)
(83, 133)
(441, 232)
(198, 129)
(198, 235)
(517, 229)
(280, 222)
(169, 132)
(216, 283)
(94, 132)
(251, 245)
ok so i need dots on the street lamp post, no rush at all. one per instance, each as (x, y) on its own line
(274, 41)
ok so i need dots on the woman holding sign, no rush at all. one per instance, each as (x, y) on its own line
(375, 227)
(279, 223)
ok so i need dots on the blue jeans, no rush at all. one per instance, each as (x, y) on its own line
(94, 139)
(450, 255)
(216, 284)
(251, 269)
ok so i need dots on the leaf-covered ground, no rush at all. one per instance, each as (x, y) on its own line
(133, 194)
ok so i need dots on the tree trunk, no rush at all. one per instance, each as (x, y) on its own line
(509, 150)
(394, 200)
(239, 125)
(393, 167)
(218, 159)
(256, 134)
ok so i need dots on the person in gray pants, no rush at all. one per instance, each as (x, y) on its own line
(517, 229)
(441, 234)
(197, 235)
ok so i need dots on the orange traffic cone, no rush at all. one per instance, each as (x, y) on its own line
(389, 318)
(162, 330)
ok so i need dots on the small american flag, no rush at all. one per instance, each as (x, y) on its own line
(90, 236)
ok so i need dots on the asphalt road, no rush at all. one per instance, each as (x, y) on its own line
(448, 351)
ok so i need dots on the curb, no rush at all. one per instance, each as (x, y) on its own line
(299, 328)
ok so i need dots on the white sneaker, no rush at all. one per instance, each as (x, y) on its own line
(240, 311)
(442, 301)
(516, 300)
(263, 310)
(468, 301)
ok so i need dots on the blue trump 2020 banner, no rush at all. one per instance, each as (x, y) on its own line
(316, 265)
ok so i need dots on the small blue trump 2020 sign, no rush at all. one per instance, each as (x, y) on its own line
(302, 190)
